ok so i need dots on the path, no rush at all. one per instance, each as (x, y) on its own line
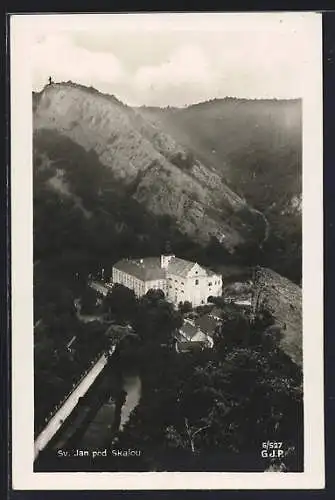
(267, 227)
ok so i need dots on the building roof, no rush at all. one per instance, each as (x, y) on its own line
(243, 302)
(201, 336)
(99, 287)
(211, 273)
(149, 268)
(180, 267)
(146, 269)
(207, 324)
(188, 330)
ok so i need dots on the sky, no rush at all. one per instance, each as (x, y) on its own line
(174, 60)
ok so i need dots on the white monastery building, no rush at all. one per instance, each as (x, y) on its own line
(180, 280)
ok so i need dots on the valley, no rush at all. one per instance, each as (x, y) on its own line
(219, 184)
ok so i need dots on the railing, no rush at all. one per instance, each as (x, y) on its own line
(52, 428)
(53, 412)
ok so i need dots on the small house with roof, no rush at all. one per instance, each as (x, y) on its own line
(190, 338)
(191, 332)
(181, 280)
(208, 325)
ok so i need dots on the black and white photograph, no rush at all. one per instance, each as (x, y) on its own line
(170, 316)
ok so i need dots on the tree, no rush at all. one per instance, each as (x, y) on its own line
(187, 437)
(155, 294)
(88, 301)
(234, 403)
(215, 252)
(185, 307)
(156, 320)
(234, 331)
(218, 301)
(231, 399)
(120, 303)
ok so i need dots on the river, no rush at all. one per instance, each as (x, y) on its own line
(133, 387)
(101, 429)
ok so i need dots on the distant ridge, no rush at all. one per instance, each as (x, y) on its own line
(90, 88)
(218, 100)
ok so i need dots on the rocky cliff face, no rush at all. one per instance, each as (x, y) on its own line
(284, 300)
(162, 175)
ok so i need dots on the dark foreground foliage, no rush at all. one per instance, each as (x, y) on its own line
(213, 410)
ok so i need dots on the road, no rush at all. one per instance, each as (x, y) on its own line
(267, 226)
(68, 406)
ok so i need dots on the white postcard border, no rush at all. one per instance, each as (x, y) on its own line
(23, 476)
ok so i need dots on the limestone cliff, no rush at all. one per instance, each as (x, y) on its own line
(159, 173)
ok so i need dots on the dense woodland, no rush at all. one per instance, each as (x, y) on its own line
(84, 220)
(230, 399)
(256, 145)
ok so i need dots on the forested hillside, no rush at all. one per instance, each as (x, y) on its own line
(159, 173)
(110, 183)
(256, 145)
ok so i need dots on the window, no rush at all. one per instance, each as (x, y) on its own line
(197, 282)
(210, 284)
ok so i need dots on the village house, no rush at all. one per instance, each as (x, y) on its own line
(200, 331)
(190, 337)
(208, 325)
(102, 289)
(181, 280)
(197, 334)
